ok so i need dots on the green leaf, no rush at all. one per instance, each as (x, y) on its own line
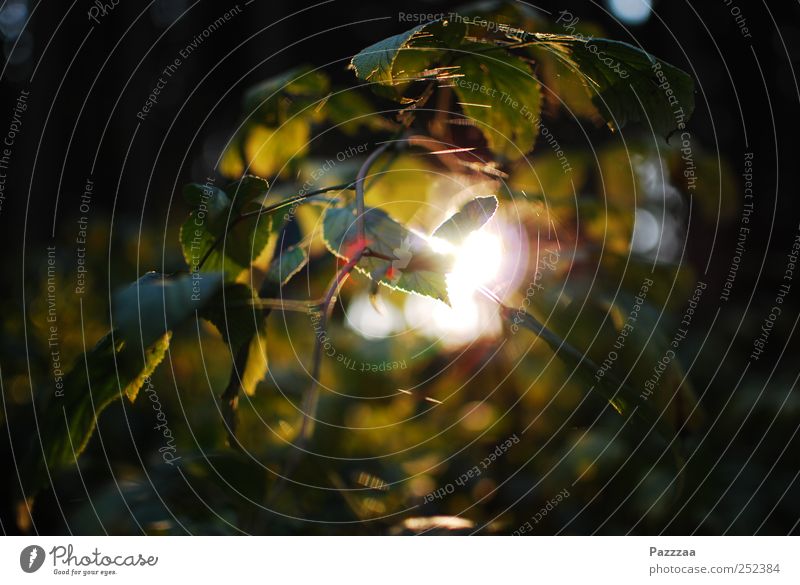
(156, 303)
(203, 235)
(277, 99)
(212, 196)
(650, 367)
(241, 325)
(377, 61)
(571, 355)
(277, 129)
(392, 63)
(472, 216)
(414, 267)
(256, 367)
(546, 174)
(627, 85)
(286, 264)
(65, 423)
(246, 190)
(267, 151)
(350, 111)
(499, 92)
(210, 203)
(404, 187)
(615, 348)
(232, 313)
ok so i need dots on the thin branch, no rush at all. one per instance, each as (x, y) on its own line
(295, 305)
(406, 115)
(371, 254)
(311, 398)
(553, 340)
(431, 145)
(497, 45)
(230, 397)
(359, 185)
(292, 200)
(557, 344)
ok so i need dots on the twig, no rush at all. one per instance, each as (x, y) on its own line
(359, 185)
(295, 305)
(230, 397)
(430, 144)
(555, 342)
(515, 45)
(292, 200)
(406, 115)
(311, 397)
(371, 254)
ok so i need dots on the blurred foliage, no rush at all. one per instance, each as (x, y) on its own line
(407, 417)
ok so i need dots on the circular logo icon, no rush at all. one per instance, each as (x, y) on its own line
(31, 558)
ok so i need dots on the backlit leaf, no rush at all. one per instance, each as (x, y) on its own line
(350, 111)
(111, 369)
(241, 324)
(626, 84)
(203, 235)
(414, 267)
(286, 264)
(277, 128)
(392, 63)
(466, 220)
(500, 93)
(156, 303)
(275, 100)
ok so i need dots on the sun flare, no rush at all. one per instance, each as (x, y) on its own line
(476, 263)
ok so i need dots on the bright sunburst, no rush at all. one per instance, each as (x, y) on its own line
(477, 263)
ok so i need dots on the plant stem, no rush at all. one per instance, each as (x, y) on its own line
(359, 185)
(556, 343)
(311, 397)
(292, 200)
(298, 306)
(495, 46)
